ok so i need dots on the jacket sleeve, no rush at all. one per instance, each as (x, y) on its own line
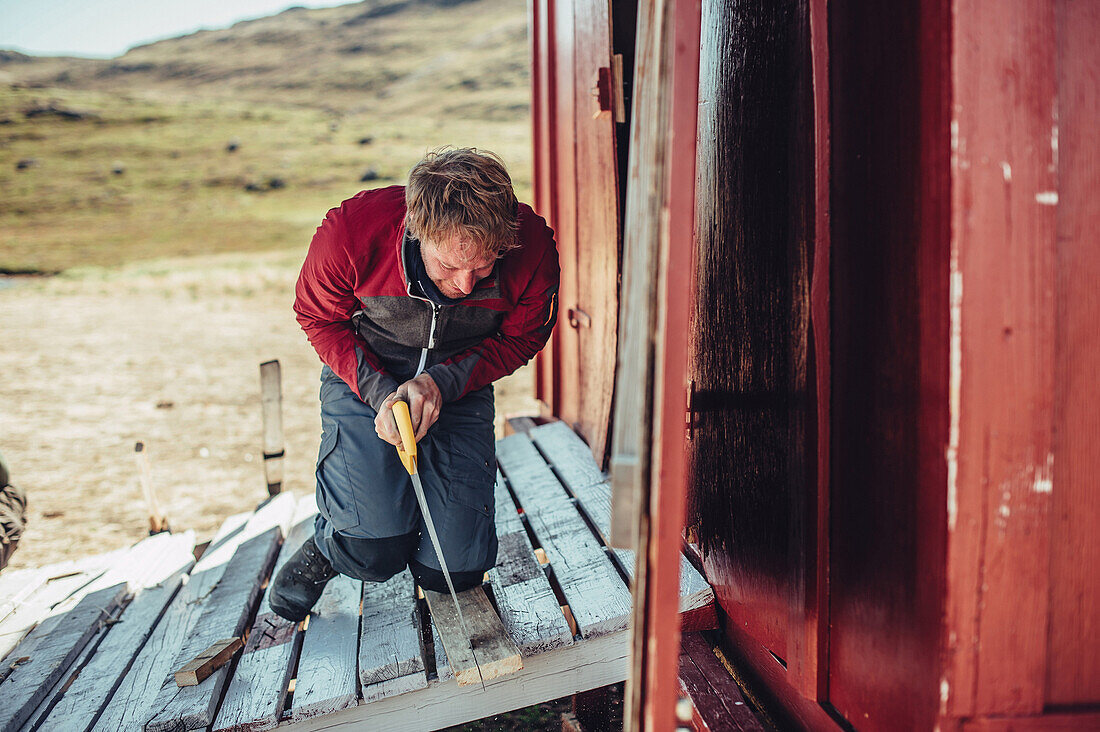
(523, 333)
(325, 301)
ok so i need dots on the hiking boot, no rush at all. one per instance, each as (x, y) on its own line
(300, 582)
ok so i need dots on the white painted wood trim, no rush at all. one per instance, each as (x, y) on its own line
(552, 675)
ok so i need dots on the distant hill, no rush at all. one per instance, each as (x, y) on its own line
(409, 53)
(240, 139)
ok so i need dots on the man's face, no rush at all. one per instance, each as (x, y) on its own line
(453, 266)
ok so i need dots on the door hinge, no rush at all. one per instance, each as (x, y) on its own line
(579, 319)
(609, 89)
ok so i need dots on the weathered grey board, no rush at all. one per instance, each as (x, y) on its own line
(326, 667)
(391, 657)
(595, 501)
(597, 596)
(64, 581)
(224, 614)
(579, 667)
(257, 691)
(573, 461)
(154, 571)
(566, 451)
(16, 586)
(50, 649)
(47, 704)
(488, 652)
(129, 707)
(528, 608)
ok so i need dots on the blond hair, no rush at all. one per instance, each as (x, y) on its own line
(462, 191)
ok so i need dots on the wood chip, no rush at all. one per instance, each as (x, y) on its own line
(208, 662)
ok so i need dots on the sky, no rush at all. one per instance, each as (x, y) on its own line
(107, 28)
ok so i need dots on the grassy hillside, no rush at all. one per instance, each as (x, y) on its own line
(241, 139)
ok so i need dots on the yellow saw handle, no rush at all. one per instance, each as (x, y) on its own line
(407, 453)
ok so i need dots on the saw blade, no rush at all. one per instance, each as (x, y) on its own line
(418, 488)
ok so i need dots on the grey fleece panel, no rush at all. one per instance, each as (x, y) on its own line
(374, 386)
(451, 378)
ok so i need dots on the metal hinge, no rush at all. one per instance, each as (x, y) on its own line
(689, 416)
(579, 319)
(609, 89)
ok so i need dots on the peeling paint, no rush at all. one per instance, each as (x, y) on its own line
(1006, 170)
(1044, 476)
(1047, 198)
(945, 694)
(955, 389)
(1054, 148)
(1054, 135)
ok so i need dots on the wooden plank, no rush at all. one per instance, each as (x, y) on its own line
(50, 649)
(716, 697)
(326, 667)
(528, 608)
(489, 652)
(16, 586)
(391, 660)
(158, 566)
(225, 611)
(51, 699)
(1073, 677)
(569, 456)
(271, 397)
(597, 595)
(257, 691)
(547, 676)
(596, 260)
(522, 424)
(1000, 455)
(130, 704)
(201, 666)
(64, 581)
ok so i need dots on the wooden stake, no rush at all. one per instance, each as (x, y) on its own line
(207, 662)
(271, 396)
(158, 521)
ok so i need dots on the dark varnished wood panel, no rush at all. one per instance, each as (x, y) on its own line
(754, 193)
(890, 338)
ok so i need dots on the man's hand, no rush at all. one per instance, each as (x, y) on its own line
(424, 401)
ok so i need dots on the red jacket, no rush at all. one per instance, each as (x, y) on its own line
(375, 329)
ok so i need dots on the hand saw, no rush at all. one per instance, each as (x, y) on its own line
(407, 452)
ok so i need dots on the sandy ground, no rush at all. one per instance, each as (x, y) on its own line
(166, 353)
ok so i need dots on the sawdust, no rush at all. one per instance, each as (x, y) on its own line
(166, 353)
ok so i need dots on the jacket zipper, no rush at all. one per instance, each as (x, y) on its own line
(431, 340)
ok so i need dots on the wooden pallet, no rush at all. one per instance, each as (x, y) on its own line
(94, 644)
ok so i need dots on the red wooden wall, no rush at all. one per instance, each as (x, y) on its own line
(576, 189)
(894, 346)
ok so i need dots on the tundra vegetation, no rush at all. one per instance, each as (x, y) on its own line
(170, 195)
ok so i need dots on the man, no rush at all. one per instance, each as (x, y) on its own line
(426, 293)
